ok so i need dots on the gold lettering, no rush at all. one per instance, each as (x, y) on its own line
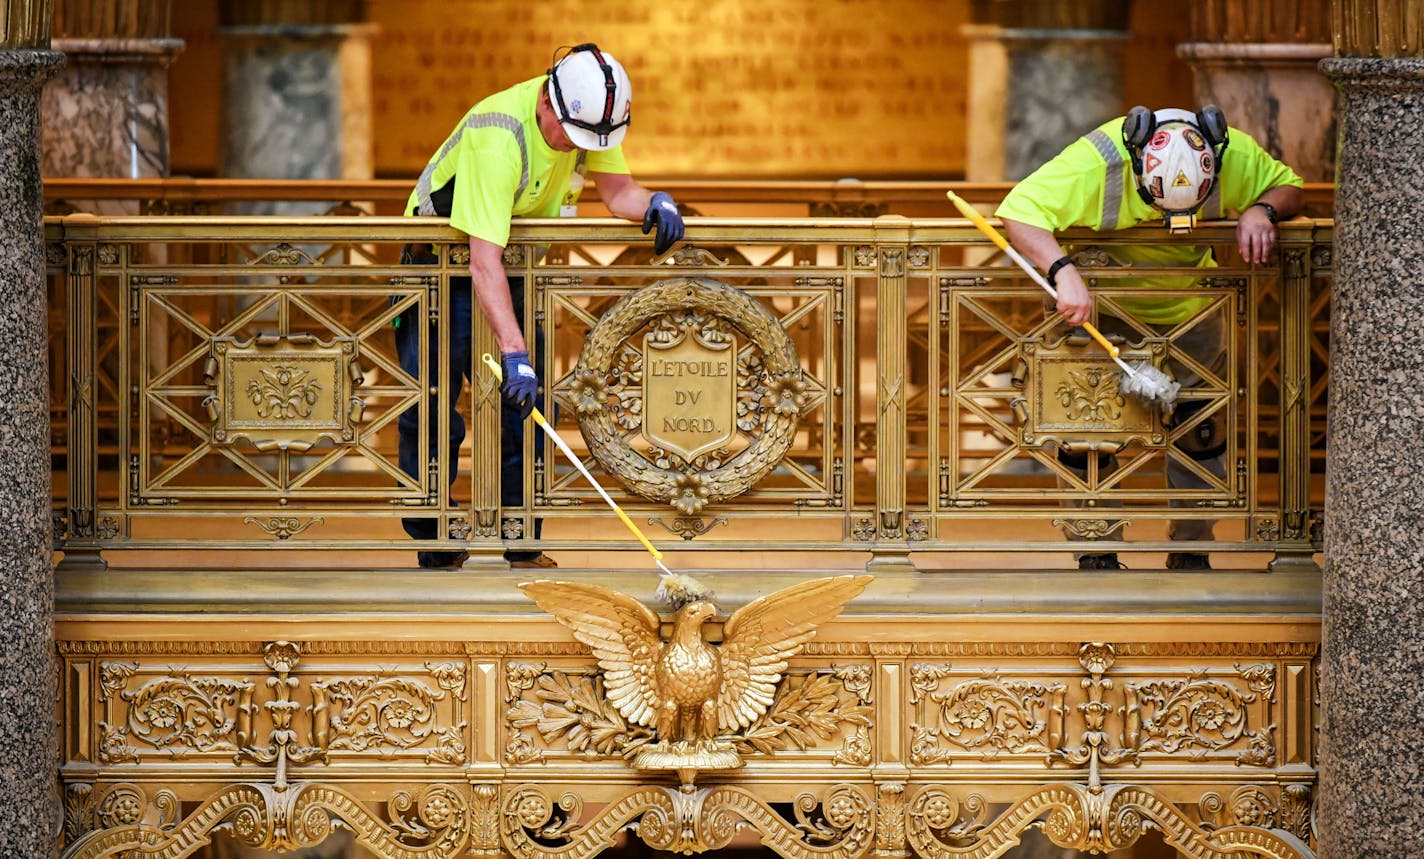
(690, 424)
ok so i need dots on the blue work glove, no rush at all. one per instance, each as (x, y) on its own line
(520, 386)
(662, 213)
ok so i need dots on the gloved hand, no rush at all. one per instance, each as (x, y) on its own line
(520, 386)
(662, 213)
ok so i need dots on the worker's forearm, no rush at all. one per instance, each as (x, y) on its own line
(492, 290)
(1036, 244)
(1287, 200)
(630, 203)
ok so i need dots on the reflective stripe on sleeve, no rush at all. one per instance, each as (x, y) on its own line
(474, 120)
(1112, 188)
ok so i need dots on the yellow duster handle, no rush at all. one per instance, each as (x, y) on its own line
(539, 419)
(997, 238)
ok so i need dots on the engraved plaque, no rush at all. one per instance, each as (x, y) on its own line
(689, 393)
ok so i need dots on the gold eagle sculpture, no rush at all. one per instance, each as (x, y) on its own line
(686, 690)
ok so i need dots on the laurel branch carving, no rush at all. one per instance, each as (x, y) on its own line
(570, 709)
(771, 393)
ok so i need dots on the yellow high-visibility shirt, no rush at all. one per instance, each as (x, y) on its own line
(1090, 184)
(501, 167)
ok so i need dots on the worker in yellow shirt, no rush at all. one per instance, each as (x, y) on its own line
(521, 152)
(1170, 166)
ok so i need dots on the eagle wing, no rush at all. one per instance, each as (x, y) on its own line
(624, 636)
(763, 635)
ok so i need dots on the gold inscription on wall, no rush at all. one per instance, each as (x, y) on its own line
(689, 393)
(739, 88)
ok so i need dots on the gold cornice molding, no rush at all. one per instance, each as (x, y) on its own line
(1010, 649)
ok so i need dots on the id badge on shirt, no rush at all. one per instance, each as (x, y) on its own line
(570, 208)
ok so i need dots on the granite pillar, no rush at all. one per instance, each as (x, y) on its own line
(1062, 83)
(1372, 661)
(106, 113)
(29, 807)
(297, 104)
(1275, 93)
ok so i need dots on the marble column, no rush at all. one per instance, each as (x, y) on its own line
(1062, 83)
(29, 807)
(1372, 660)
(297, 104)
(1275, 93)
(106, 113)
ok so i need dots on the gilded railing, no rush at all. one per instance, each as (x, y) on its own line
(872, 386)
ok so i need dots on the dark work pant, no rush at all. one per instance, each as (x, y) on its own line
(511, 484)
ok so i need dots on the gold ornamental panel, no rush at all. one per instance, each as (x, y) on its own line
(1075, 398)
(283, 393)
(689, 391)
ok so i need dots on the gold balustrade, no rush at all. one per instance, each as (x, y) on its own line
(247, 654)
(781, 198)
(163, 442)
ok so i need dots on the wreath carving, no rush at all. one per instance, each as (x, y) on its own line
(768, 360)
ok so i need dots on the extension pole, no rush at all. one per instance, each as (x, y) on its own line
(558, 440)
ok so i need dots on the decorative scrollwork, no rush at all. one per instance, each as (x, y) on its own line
(186, 713)
(1079, 817)
(689, 527)
(1194, 713)
(383, 713)
(1092, 529)
(283, 527)
(284, 254)
(992, 715)
(838, 825)
(431, 824)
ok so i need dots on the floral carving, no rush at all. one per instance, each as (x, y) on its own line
(690, 493)
(1171, 715)
(786, 393)
(988, 715)
(1092, 396)
(284, 392)
(385, 713)
(589, 392)
(186, 712)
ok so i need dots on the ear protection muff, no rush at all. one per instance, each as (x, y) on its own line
(1212, 124)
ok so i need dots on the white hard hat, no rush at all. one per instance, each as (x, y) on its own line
(1178, 167)
(592, 97)
(1176, 156)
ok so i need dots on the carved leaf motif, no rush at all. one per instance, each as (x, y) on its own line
(575, 709)
(995, 715)
(1204, 714)
(387, 713)
(198, 713)
(802, 714)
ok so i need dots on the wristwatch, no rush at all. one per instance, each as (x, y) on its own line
(1270, 210)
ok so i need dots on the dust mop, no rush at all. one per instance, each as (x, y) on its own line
(1140, 380)
(674, 589)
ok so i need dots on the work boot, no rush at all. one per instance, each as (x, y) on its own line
(1100, 561)
(1188, 561)
(539, 561)
(440, 560)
